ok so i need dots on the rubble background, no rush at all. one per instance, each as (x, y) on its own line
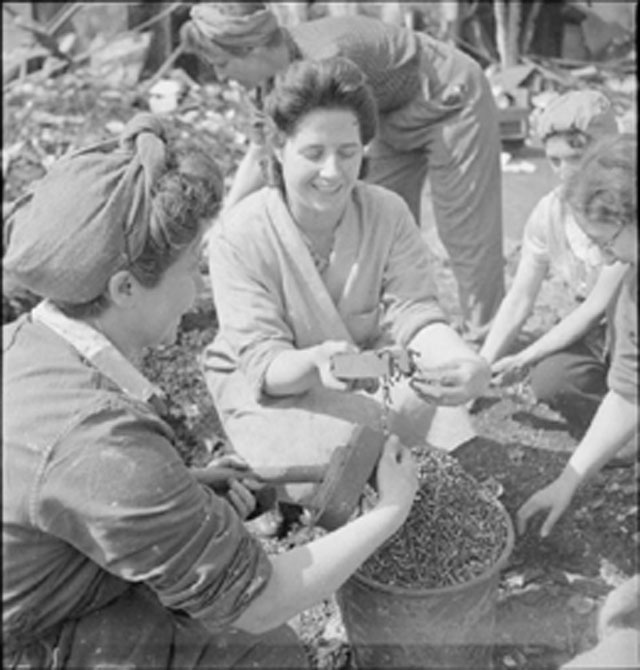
(77, 74)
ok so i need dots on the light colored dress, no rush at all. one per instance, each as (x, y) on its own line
(270, 297)
(554, 241)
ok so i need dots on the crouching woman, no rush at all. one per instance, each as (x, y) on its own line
(320, 263)
(114, 555)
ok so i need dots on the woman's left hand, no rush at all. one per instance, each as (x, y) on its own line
(453, 383)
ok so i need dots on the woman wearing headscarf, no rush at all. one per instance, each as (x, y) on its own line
(318, 264)
(437, 118)
(114, 552)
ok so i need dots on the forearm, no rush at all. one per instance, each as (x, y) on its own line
(563, 334)
(291, 372)
(307, 574)
(249, 176)
(613, 425)
(508, 322)
(586, 315)
(438, 343)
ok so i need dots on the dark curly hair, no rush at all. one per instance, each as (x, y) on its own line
(308, 85)
(330, 83)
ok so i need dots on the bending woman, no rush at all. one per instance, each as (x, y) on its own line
(569, 362)
(437, 118)
(114, 555)
(321, 263)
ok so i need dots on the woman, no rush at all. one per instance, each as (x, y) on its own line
(437, 117)
(603, 194)
(316, 265)
(114, 555)
(569, 362)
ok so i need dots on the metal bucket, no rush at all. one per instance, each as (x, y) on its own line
(448, 627)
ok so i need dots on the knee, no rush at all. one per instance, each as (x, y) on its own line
(566, 376)
(550, 380)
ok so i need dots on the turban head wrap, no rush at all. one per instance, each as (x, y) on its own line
(88, 216)
(590, 112)
(225, 33)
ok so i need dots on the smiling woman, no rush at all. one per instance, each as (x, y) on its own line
(437, 118)
(315, 264)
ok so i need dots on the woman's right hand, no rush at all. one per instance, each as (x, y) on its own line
(397, 476)
(322, 355)
(510, 370)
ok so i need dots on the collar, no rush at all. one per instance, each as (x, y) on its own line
(99, 351)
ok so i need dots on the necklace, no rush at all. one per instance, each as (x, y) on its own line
(320, 260)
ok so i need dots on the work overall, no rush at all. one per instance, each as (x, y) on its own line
(113, 555)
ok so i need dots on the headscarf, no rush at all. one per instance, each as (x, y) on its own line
(588, 111)
(225, 31)
(88, 216)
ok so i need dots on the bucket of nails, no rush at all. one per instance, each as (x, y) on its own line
(427, 597)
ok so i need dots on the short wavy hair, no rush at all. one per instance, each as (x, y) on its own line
(329, 83)
(309, 85)
(603, 190)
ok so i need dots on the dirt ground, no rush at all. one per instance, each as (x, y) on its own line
(550, 590)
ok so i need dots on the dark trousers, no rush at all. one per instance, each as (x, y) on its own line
(573, 381)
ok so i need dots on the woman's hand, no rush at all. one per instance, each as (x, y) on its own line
(322, 355)
(618, 605)
(511, 369)
(240, 495)
(397, 476)
(453, 383)
(555, 497)
(230, 477)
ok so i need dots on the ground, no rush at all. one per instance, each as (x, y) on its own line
(550, 590)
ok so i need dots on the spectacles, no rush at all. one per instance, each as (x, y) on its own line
(607, 245)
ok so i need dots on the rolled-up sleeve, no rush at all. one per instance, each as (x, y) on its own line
(249, 306)
(134, 509)
(409, 293)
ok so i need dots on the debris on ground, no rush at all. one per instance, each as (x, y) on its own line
(550, 590)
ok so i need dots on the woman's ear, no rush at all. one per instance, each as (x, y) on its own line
(121, 288)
